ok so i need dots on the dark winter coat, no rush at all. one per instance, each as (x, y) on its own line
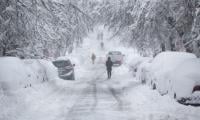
(109, 65)
(93, 57)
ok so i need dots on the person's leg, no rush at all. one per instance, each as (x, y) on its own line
(108, 73)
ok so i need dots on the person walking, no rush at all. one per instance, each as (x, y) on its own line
(102, 45)
(109, 65)
(93, 58)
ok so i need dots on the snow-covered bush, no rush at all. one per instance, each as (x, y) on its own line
(163, 66)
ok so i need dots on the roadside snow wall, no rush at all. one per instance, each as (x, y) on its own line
(16, 73)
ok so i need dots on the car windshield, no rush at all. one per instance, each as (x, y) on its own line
(62, 63)
(115, 53)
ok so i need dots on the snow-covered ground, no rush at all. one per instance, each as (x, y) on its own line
(91, 96)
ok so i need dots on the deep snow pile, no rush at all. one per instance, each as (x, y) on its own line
(18, 80)
(16, 73)
(13, 73)
(30, 89)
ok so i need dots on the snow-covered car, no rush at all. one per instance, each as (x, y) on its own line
(185, 84)
(116, 57)
(163, 66)
(135, 64)
(143, 70)
(65, 69)
(176, 74)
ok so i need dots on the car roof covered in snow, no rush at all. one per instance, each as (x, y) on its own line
(62, 58)
(190, 70)
(169, 60)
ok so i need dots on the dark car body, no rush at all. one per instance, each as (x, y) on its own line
(65, 69)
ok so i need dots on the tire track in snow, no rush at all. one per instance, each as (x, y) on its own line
(97, 98)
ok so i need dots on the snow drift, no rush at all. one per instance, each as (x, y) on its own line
(16, 73)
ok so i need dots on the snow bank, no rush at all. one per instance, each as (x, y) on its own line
(16, 73)
(16, 103)
(13, 73)
(50, 70)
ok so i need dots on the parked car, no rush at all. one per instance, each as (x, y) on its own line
(176, 74)
(163, 66)
(185, 86)
(143, 70)
(65, 69)
(116, 57)
(135, 64)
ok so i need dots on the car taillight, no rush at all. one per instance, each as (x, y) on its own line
(119, 62)
(196, 88)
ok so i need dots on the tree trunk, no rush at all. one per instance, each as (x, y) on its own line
(196, 50)
(4, 51)
(168, 45)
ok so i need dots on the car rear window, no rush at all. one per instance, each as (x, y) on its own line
(115, 53)
(62, 63)
(196, 88)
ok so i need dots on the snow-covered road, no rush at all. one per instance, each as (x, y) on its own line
(99, 101)
(123, 99)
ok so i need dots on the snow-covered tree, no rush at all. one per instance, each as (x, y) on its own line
(151, 25)
(45, 28)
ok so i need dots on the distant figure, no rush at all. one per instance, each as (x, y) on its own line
(93, 58)
(109, 65)
(102, 45)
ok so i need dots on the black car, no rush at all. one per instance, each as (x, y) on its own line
(65, 69)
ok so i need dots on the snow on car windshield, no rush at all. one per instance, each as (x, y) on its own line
(62, 63)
